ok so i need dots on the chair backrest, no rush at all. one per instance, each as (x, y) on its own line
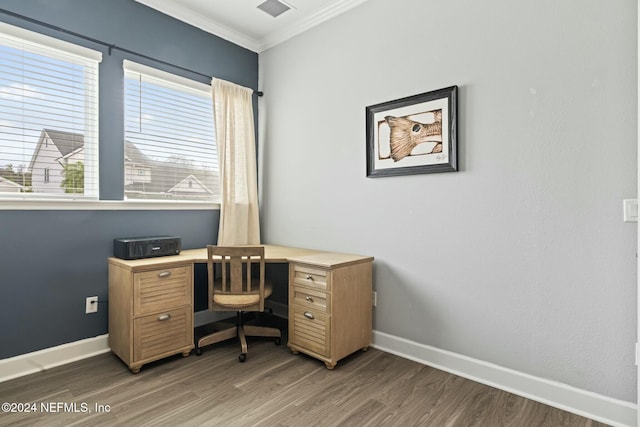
(236, 276)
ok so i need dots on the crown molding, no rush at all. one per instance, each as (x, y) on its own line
(306, 24)
(256, 45)
(214, 27)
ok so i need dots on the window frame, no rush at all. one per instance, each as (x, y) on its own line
(189, 85)
(43, 45)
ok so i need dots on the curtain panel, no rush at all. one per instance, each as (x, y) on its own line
(239, 212)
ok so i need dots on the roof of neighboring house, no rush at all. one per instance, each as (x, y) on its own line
(133, 154)
(186, 186)
(65, 142)
(10, 183)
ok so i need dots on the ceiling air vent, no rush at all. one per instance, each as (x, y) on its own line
(274, 7)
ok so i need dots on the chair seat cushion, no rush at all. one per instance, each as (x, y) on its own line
(236, 301)
(232, 300)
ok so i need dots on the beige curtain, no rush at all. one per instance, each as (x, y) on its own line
(232, 105)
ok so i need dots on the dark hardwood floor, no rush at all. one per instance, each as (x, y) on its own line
(272, 388)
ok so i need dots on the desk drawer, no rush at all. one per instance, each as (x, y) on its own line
(311, 330)
(312, 277)
(162, 333)
(161, 289)
(310, 299)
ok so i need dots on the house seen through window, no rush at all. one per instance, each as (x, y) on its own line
(48, 117)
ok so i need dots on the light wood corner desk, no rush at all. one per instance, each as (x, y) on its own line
(151, 304)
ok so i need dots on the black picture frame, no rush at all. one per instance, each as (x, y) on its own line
(413, 135)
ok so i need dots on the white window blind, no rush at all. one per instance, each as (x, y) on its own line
(48, 117)
(170, 145)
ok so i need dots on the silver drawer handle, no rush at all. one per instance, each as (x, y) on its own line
(165, 316)
(308, 315)
(309, 277)
(309, 299)
(164, 274)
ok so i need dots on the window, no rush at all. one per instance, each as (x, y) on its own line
(170, 145)
(48, 117)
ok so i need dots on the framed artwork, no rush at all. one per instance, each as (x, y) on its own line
(413, 135)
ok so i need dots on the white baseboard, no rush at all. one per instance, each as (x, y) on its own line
(48, 358)
(591, 405)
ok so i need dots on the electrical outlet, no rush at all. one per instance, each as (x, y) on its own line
(91, 305)
(374, 298)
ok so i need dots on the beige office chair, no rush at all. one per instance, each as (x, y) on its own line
(235, 286)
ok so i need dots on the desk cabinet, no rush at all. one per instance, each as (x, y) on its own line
(330, 305)
(150, 310)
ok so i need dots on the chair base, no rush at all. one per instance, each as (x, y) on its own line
(225, 331)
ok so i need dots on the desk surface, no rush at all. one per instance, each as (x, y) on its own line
(272, 253)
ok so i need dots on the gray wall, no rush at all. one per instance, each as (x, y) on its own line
(521, 258)
(50, 261)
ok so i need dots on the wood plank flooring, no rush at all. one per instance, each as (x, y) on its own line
(272, 388)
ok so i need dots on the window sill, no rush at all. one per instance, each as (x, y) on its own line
(103, 205)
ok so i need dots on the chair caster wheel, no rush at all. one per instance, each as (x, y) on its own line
(198, 352)
(277, 341)
(242, 357)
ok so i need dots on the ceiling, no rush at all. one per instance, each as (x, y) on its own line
(241, 22)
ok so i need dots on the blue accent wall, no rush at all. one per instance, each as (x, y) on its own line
(51, 260)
